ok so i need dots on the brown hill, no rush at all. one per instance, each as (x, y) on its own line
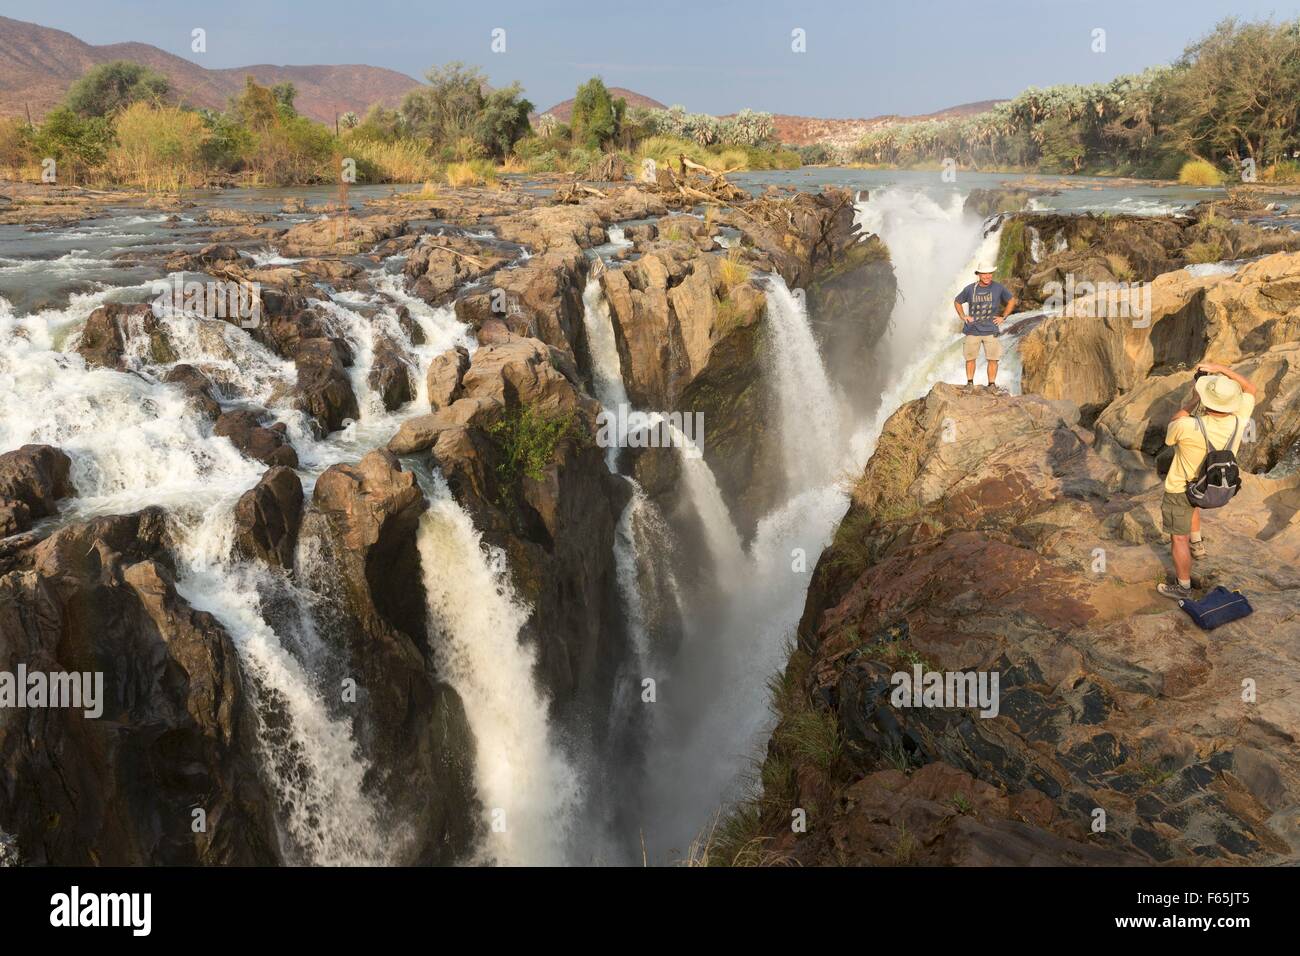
(562, 111)
(38, 64)
(804, 130)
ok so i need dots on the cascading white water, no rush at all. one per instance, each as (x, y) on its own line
(934, 247)
(807, 407)
(135, 441)
(528, 787)
(717, 718)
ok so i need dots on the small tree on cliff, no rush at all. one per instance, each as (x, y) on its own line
(597, 117)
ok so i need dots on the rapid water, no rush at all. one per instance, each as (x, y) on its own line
(529, 788)
(135, 442)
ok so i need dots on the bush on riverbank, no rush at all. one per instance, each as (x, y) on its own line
(1197, 172)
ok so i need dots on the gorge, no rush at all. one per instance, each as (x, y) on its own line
(368, 586)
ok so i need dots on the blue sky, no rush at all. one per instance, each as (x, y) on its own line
(863, 58)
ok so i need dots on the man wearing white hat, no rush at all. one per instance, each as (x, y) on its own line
(987, 304)
(1228, 400)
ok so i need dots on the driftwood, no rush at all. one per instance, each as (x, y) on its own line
(575, 192)
(608, 169)
(691, 183)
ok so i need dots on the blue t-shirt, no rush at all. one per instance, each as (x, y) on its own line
(983, 302)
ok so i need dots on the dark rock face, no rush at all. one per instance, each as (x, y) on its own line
(197, 388)
(441, 264)
(246, 432)
(390, 375)
(557, 529)
(364, 519)
(268, 515)
(324, 390)
(32, 480)
(177, 730)
(1109, 698)
(103, 337)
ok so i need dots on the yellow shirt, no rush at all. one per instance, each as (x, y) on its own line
(1190, 447)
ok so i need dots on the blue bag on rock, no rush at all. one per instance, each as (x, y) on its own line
(1218, 607)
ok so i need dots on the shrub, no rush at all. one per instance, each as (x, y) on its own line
(400, 161)
(1198, 172)
(527, 438)
(473, 172)
(158, 148)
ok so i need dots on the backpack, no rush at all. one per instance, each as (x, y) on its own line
(1219, 478)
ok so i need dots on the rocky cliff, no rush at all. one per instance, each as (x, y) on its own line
(1000, 536)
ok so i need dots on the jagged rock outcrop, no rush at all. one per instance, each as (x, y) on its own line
(267, 444)
(339, 235)
(177, 730)
(540, 298)
(1213, 318)
(267, 517)
(986, 536)
(441, 264)
(446, 372)
(518, 452)
(324, 390)
(362, 525)
(1040, 248)
(32, 480)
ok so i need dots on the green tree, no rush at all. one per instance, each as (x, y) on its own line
(503, 121)
(447, 109)
(597, 117)
(111, 87)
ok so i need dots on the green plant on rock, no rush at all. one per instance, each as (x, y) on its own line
(527, 438)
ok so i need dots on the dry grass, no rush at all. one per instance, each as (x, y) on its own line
(473, 172)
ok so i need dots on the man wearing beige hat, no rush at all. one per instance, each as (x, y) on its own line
(1227, 399)
(987, 304)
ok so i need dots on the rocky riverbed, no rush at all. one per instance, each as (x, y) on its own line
(366, 586)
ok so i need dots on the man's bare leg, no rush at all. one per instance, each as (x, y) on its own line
(992, 370)
(1197, 546)
(970, 370)
(1182, 550)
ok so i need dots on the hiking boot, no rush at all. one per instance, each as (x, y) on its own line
(996, 390)
(1176, 591)
(1198, 550)
(969, 389)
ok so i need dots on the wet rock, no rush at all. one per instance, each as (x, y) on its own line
(444, 377)
(267, 517)
(32, 480)
(99, 596)
(390, 374)
(363, 523)
(324, 390)
(339, 235)
(103, 337)
(197, 388)
(266, 444)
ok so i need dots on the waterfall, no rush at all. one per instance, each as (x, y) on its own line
(135, 441)
(529, 789)
(934, 247)
(807, 408)
(717, 718)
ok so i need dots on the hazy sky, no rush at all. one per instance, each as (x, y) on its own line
(863, 58)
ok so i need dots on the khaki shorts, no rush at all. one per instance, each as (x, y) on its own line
(992, 347)
(1176, 513)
